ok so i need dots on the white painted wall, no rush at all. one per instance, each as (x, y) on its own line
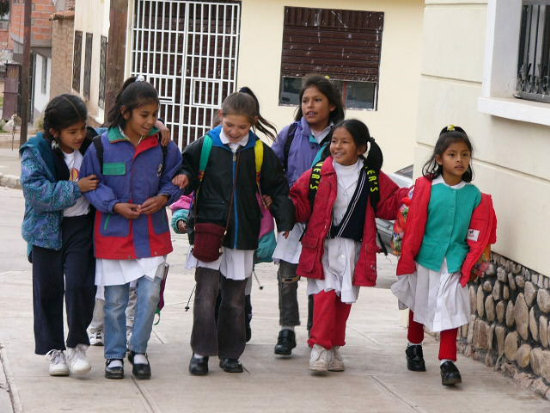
(510, 156)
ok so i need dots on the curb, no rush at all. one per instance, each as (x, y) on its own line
(10, 181)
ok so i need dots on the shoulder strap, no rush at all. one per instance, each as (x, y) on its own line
(289, 138)
(164, 153)
(205, 154)
(314, 181)
(98, 144)
(374, 187)
(259, 159)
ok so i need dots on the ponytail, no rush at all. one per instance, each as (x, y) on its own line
(263, 125)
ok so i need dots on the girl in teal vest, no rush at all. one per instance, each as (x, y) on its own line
(435, 247)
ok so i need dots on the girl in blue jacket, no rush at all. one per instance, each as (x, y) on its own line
(297, 147)
(58, 227)
(131, 235)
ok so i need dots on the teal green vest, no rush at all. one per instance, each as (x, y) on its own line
(449, 214)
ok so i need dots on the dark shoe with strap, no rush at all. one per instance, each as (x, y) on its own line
(450, 374)
(415, 358)
(140, 371)
(285, 342)
(114, 372)
(231, 365)
(198, 366)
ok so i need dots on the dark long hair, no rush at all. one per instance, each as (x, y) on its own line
(448, 135)
(361, 135)
(263, 125)
(133, 94)
(63, 111)
(329, 90)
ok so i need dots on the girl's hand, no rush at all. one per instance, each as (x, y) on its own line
(268, 201)
(181, 180)
(286, 234)
(154, 204)
(182, 226)
(164, 133)
(127, 210)
(88, 183)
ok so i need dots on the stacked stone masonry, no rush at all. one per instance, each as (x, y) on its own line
(509, 323)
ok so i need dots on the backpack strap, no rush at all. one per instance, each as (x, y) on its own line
(205, 154)
(259, 159)
(289, 138)
(314, 181)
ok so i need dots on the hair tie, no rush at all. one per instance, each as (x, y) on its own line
(140, 78)
(451, 128)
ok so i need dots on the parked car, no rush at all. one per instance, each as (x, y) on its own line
(403, 178)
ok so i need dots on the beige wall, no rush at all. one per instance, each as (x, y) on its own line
(510, 157)
(394, 123)
(92, 16)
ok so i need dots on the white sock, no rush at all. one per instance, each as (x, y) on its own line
(444, 360)
(115, 363)
(197, 356)
(140, 359)
(291, 328)
(413, 344)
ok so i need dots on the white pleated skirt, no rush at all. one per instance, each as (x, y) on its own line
(436, 298)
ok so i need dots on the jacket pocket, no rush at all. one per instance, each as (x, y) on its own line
(114, 225)
(310, 253)
(212, 211)
(160, 222)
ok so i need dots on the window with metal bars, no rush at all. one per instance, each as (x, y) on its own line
(533, 77)
(102, 72)
(344, 45)
(88, 65)
(77, 59)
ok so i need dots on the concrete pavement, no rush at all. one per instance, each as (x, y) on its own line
(375, 380)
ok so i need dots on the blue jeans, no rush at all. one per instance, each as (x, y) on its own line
(116, 301)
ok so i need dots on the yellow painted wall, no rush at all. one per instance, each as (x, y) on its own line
(393, 124)
(510, 157)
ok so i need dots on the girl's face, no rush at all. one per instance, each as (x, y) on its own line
(455, 162)
(235, 127)
(316, 108)
(71, 138)
(343, 148)
(141, 120)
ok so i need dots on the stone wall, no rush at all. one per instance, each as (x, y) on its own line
(509, 325)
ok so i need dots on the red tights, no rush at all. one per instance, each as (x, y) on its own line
(330, 315)
(447, 343)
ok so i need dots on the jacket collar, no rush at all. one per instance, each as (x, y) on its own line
(115, 134)
(216, 141)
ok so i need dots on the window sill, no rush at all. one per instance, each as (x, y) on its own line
(516, 109)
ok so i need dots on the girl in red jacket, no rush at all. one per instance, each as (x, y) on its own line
(339, 245)
(448, 225)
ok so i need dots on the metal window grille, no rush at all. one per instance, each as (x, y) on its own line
(44, 85)
(102, 72)
(188, 50)
(77, 59)
(533, 78)
(88, 65)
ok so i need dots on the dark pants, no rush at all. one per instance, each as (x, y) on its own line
(69, 271)
(289, 313)
(227, 337)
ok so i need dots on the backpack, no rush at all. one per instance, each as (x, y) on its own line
(372, 176)
(321, 155)
(400, 224)
(266, 240)
(98, 144)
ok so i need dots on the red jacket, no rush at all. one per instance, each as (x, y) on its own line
(483, 226)
(320, 220)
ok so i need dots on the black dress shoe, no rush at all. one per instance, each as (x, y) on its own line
(140, 371)
(231, 365)
(415, 358)
(285, 342)
(114, 372)
(450, 374)
(198, 366)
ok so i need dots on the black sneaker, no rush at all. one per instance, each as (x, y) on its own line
(114, 372)
(285, 342)
(231, 365)
(198, 366)
(450, 374)
(140, 371)
(415, 358)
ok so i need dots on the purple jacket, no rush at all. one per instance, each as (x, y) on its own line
(302, 150)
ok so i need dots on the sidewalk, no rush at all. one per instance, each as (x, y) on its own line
(375, 380)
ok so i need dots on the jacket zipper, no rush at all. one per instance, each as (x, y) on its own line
(236, 232)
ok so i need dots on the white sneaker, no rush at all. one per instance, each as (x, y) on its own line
(319, 359)
(76, 357)
(96, 338)
(58, 364)
(336, 362)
